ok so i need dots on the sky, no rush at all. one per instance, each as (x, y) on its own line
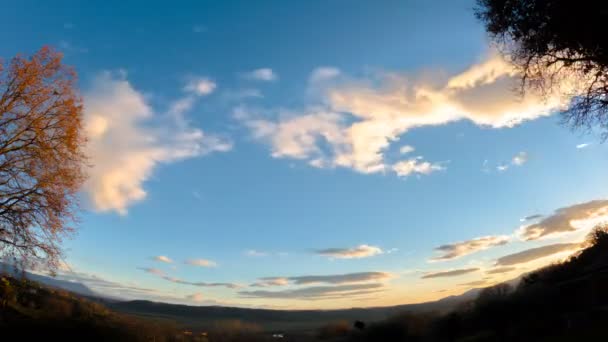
(309, 154)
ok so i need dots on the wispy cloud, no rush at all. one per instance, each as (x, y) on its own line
(154, 271)
(255, 253)
(450, 273)
(163, 258)
(361, 251)
(407, 167)
(175, 280)
(405, 149)
(261, 74)
(520, 159)
(317, 292)
(581, 146)
(201, 262)
(564, 220)
(459, 249)
(530, 217)
(535, 253)
(127, 141)
(196, 297)
(322, 74)
(501, 270)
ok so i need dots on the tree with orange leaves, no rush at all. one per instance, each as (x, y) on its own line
(41, 157)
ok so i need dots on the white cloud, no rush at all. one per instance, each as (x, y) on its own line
(406, 149)
(127, 141)
(201, 262)
(520, 159)
(581, 146)
(163, 258)
(262, 74)
(321, 74)
(415, 166)
(502, 167)
(200, 86)
(361, 251)
(358, 120)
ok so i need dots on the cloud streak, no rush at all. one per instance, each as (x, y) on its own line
(316, 292)
(361, 251)
(459, 249)
(451, 273)
(535, 253)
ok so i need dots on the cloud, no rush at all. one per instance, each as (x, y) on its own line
(262, 74)
(196, 297)
(520, 159)
(581, 146)
(255, 253)
(361, 251)
(163, 258)
(356, 121)
(317, 292)
(200, 86)
(201, 262)
(500, 270)
(154, 271)
(530, 217)
(271, 281)
(127, 141)
(321, 74)
(407, 167)
(563, 220)
(201, 283)
(451, 273)
(459, 249)
(535, 253)
(502, 167)
(337, 279)
(406, 149)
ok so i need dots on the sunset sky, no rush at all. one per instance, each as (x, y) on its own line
(309, 154)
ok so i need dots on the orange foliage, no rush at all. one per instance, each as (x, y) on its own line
(41, 156)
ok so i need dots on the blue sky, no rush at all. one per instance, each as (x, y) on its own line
(268, 139)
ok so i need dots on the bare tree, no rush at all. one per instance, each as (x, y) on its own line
(553, 41)
(41, 157)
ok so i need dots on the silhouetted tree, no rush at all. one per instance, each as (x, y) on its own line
(41, 156)
(360, 325)
(551, 40)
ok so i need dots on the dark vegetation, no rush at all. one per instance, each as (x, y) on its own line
(552, 41)
(567, 301)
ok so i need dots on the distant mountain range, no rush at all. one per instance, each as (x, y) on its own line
(198, 316)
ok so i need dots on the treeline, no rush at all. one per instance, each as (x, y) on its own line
(566, 301)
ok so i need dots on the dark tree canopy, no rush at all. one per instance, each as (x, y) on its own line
(553, 40)
(41, 157)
